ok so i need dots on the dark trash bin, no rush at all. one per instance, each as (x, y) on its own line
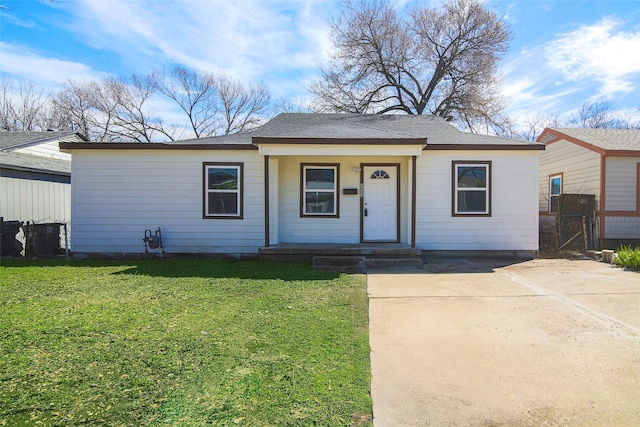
(9, 245)
(41, 239)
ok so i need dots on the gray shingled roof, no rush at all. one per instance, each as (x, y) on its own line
(434, 129)
(28, 162)
(236, 138)
(607, 139)
(11, 140)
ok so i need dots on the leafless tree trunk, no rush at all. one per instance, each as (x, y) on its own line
(439, 62)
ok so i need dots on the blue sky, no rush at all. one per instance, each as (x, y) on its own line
(564, 52)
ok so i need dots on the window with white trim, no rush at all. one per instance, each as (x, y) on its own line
(223, 190)
(319, 195)
(555, 190)
(471, 188)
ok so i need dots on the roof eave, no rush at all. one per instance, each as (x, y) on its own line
(150, 146)
(622, 153)
(485, 147)
(34, 169)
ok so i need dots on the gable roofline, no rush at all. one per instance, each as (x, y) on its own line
(550, 135)
(553, 135)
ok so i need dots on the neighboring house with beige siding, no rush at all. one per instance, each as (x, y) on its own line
(394, 180)
(600, 162)
(35, 176)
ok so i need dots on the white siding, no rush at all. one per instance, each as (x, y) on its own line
(34, 201)
(580, 168)
(513, 224)
(117, 195)
(346, 228)
(47, 149)
(621, 181)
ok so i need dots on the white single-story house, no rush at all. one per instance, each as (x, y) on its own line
(604, 163)
(305, 178)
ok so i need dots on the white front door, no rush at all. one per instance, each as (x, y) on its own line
(380, 203)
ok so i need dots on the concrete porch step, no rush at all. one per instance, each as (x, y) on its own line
(306, 252)
(360, 264)
(393, 262)
(339, 264)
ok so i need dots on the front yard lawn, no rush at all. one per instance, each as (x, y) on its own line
(188, 342)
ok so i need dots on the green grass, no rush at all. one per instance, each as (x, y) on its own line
(628, 257)
(182, 342)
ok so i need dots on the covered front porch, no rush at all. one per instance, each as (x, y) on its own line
(339, 199)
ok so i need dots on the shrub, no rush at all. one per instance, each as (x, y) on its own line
(628, 257)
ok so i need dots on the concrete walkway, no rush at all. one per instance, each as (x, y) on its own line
(542, 342)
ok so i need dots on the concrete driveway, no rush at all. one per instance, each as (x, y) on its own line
(536, 343)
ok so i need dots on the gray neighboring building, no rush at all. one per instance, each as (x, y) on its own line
(35, 176)
(604, 163)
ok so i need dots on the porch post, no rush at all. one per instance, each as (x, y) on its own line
(266, 201)
(413, 201)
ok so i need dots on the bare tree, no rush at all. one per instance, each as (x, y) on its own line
(601, 115)
(125, 108)
(75, 106)
(630, 120)
(114, 109)
(242, 107)
(532, 126)
(127, 105)
(23, 105)
(194, 93)
(431, 61)
(594, 116)
(214, 104)
(287, 105)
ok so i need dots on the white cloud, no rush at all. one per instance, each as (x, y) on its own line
(22, 63)
(600, 52)
(248, 39)
(527, 84)
(12, 19)
(587, 64)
